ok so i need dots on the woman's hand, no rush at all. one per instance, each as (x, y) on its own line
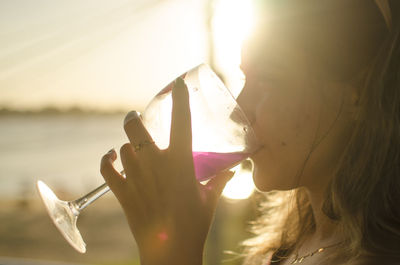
(168, 211)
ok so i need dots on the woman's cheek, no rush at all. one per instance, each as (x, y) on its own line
(268, 168)
(271, 119)
(283, 125)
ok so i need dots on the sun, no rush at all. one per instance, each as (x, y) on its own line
(232, 22)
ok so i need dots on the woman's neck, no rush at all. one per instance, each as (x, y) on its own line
(326, 229)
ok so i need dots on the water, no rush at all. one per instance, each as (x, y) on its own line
(65, 151)
(62, 150)
(208, 164)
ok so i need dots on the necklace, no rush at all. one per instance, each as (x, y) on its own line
(298, 259)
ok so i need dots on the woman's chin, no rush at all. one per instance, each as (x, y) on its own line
(262, 181)
(265, 181)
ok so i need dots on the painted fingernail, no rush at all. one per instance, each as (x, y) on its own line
(112, 154)
(111, 151)
(132, 115)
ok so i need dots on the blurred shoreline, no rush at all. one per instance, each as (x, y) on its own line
(51, 110)
(28, 233)
(62, 148)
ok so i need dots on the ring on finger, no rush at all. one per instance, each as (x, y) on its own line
(140, 145)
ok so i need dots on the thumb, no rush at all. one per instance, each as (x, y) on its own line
(218, 183)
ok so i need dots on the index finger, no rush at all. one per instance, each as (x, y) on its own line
(181, 122)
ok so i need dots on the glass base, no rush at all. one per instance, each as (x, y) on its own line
(64, 215)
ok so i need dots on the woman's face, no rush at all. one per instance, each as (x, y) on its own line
(291, 113)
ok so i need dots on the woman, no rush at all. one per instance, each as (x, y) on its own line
(323, 95)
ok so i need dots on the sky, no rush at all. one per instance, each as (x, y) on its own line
(96, 53)
(114, 55)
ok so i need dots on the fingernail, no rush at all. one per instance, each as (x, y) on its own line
(132, 115)
(112, 154)
(179, 83)
(111, 151)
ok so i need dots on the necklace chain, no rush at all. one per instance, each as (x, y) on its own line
(298, 259)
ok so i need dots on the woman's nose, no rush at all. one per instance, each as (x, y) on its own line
(247, 103)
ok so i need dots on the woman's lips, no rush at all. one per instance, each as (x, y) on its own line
(261, 147)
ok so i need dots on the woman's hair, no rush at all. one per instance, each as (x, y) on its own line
(364, 195)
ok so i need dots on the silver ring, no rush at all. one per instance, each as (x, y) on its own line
(139, 146)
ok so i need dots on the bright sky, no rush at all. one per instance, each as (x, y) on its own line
(96, 53)
(113, 54)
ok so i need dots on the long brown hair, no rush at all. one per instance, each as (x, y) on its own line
(364, 195)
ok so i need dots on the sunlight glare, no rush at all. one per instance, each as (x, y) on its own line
(232, 22)
(241, 185)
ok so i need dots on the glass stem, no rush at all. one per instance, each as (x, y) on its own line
(87, 199)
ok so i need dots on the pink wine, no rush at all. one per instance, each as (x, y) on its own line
(208, 164)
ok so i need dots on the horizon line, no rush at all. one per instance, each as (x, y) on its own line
(50, 109)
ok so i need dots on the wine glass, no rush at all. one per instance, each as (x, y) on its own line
(222, 138)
